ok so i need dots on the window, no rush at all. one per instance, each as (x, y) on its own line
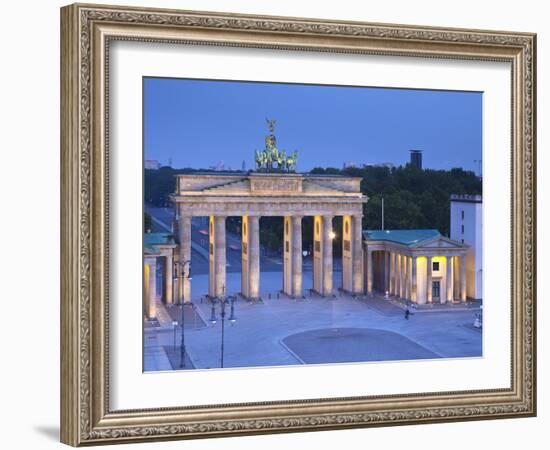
(286, 246)
(347, 227)
(245, 248)
(462, 214)
(317, 246)
(435, 266)
(286, 227)
(244, 228)
(462, 229)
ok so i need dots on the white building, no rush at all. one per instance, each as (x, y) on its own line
(467, 227)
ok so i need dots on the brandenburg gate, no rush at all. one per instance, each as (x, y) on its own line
(289, 195)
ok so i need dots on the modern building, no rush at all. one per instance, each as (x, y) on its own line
(417, 265)
(416, 159)
(467, 228)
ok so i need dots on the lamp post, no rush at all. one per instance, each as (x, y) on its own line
(181, 265)
(223, 301)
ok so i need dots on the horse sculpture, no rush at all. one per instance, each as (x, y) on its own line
(271, 155)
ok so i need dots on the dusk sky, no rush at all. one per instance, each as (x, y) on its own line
(198, 123)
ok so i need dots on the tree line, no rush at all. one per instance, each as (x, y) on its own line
(413, 198)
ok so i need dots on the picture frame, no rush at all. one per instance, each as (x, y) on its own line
(87, 31)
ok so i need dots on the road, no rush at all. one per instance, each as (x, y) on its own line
(162, 222)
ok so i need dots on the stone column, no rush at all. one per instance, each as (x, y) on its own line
(357, 272)
(370, 263)
(347, 254)
(317, 255)
(253, 257)
(398, 275)
(449, 278)
(386, 271)
(219, 255)
(146, 287)
(408, 277)
(414, 285)
(456, 278)
(404, 276)
(168, 278)
(184, 237)
(391, 272)
(463, 278)
(287, 255)
(244, 257)
(327, 255)
(176, 295)
(150, 288)
(429, 279)
(297, 256)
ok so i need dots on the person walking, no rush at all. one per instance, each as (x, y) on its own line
(407, 312)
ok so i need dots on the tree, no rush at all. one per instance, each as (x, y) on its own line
(147, 222)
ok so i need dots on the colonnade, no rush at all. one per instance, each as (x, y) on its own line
(292, 256)
(401, 275)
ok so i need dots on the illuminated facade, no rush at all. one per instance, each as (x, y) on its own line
(417, 265)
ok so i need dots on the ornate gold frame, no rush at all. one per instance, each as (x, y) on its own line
(86, 31)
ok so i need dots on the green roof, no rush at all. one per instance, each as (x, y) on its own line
(410, 238)
(151, 239)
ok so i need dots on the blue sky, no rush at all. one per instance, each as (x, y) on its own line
(198, 123)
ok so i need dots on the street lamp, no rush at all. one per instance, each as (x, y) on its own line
(181, 265)
(332, 234)
(223, 301)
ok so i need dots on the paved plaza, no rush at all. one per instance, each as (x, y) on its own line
(283, 331)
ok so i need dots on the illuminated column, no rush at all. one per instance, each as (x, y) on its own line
(403, 276)
(449, 280)
(297, 256)
(392, 273)
(327, 255)
(317, 255)
(386, 271)
(369, 271)
(408, 277)
(250, 268)
(287, 255)
(176, 296)
(456, 278)
(397, 274)
(184, 236)
(414, 286)
(219, 255)
(347, 254)
(244, 257)
(168, 277)
(216, 286)
(463, 278)
(429, 279)
(253, 257)
(357, 272)
(150, 287)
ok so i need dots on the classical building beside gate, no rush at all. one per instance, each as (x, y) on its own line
(418, 265)
(157, 246)
(289, 195)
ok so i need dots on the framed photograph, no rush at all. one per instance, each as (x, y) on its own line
(276, 224)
